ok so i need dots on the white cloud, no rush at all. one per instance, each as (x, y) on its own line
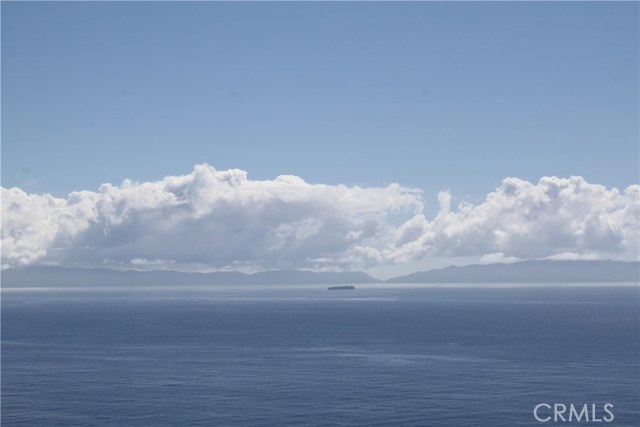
(521, 220)
(33, 225)
(209, 218)
(212, 219)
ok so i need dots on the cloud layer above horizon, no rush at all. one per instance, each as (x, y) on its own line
(222, 220)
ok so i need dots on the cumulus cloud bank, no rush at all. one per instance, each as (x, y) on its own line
(555, 218)
(215, 220)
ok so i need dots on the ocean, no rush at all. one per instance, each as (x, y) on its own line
(380, 355)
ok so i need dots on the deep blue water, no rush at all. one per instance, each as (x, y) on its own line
(281, 356)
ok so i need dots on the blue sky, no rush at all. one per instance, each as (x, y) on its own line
(431, 95)
(434, 96)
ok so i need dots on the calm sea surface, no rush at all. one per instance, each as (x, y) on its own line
(279, 356)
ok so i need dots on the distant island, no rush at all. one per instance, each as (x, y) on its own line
(530, 271)
(58, 276)
(525, 271)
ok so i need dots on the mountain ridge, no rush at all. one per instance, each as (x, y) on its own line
(544, 271)
(61, 276)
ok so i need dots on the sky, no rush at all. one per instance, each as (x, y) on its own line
(382, 136)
